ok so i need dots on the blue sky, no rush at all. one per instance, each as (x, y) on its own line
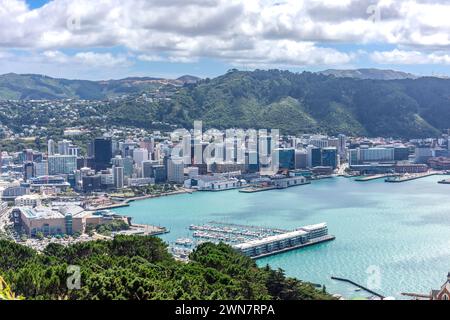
(102, 39)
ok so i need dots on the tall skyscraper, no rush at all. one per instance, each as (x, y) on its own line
(61, 164)
(118, 177)
(51, 147)
(102, 153)
(175, 170)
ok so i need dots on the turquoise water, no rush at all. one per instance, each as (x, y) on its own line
(399, 231)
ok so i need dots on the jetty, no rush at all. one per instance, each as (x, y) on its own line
(372, 177)
(359, 286)
(272, 245)
(405, 178)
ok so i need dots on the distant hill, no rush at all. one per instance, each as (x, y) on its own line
(310, 102)
(32, 86)
(374, 74)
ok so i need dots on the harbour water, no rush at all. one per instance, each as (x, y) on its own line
(392, 238)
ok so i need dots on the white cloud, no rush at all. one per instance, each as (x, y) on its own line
(258, 32)
(410, 57)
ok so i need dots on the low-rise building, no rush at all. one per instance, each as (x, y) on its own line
(32, 200)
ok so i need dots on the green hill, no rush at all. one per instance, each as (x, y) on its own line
(308, 102)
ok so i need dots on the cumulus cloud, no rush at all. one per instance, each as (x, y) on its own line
(259, 32)
(410, 57)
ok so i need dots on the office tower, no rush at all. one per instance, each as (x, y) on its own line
(175, 170)
(301, 159)
(51, 147)
(286, 158)
(159, 173)
(314, 156)
(118, 177)
(117, 161)
(28, 171)
(140, 155)
(147, 168)
(401, 153)
(342, 147)
(330, 157)
(41, 169)
(61, 164)
(63, 147)
(102, 153)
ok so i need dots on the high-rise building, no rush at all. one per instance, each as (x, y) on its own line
(159, 174)
(41, 169)
(118, 177)
(301, 159)
(61, 164)
(314, 157)
(102, 153)
(342, 147)
(330, 157)
(28, 171)
(63, 147)
(140, 155)
(51, 147)
(175, 170)
(286, 158)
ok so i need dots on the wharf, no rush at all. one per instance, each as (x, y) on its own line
(303, 245)
(398, 179)
(257, 189)
(372, 177)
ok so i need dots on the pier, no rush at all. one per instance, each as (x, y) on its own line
(359, 286)
(372, 177)
(302, 237)
(405, 178)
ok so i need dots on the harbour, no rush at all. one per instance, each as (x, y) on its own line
(401, 228)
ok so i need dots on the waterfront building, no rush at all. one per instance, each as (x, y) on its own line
(140, 182)
(61, 164)
(443, 293)
(192, 172)
(439, 163)
(159, 173)
(102, 153)
(175, 170)
(330, 157)
(286, 158)
(301, 159)
(286, 182)
(401, 153)
(286, 241)
(314, 156)
(376, 154)
(212, 183)
(423, 154)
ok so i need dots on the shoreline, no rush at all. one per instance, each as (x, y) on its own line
(126, 202)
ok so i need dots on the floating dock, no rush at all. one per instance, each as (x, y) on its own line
(302, 237)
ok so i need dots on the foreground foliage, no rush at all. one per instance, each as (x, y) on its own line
(138, 268)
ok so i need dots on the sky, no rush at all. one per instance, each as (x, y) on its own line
(111, 39)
